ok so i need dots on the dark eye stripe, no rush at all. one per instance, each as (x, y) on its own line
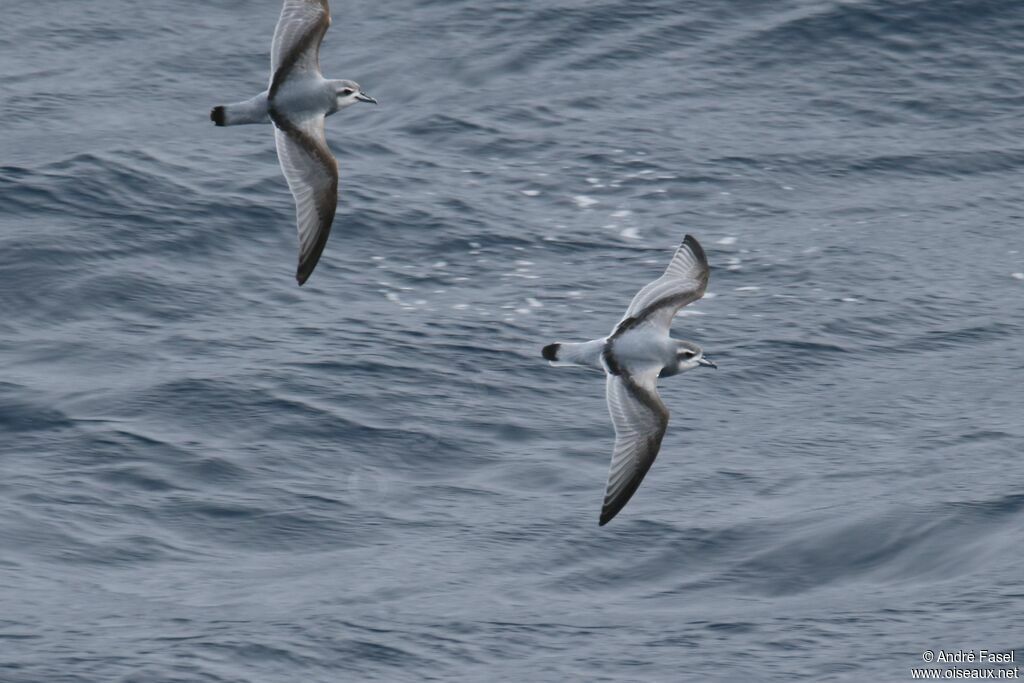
(347, 91)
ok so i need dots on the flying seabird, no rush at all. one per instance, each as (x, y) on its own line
(297, 102)
(637, 352)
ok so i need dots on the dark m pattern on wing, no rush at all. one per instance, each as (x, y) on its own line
(676, 300)
(316, 34)
(325, 212)
(612, 507)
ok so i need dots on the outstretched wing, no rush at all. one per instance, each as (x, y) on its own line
(312, 175)
(296, 46)
(640, 420)
(683, 282)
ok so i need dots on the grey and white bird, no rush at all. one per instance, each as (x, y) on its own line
(637, 352)
(298, 101)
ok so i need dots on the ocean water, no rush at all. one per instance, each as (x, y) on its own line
(210, 474)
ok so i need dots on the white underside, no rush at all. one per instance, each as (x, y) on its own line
(299, 99)
(644, 347)
(306, 96)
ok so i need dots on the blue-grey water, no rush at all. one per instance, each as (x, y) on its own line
(210, 474)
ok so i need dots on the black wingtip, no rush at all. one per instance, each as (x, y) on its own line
(691, 242)
(217, 116)
(550, 352)
(610, 509)
(308, 260)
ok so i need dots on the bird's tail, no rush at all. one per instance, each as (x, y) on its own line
(587, 353)
(550, 352)
(251, 111)
(219, 116)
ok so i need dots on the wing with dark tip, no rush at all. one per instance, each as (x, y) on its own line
(640, 420)
(296, 46)
(312, 175)
(683, 282)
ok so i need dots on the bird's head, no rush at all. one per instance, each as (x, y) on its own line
(690, 356)
(349, 92)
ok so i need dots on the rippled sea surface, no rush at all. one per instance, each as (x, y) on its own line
(210, 474)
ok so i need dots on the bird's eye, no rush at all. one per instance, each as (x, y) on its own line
(347, 91)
